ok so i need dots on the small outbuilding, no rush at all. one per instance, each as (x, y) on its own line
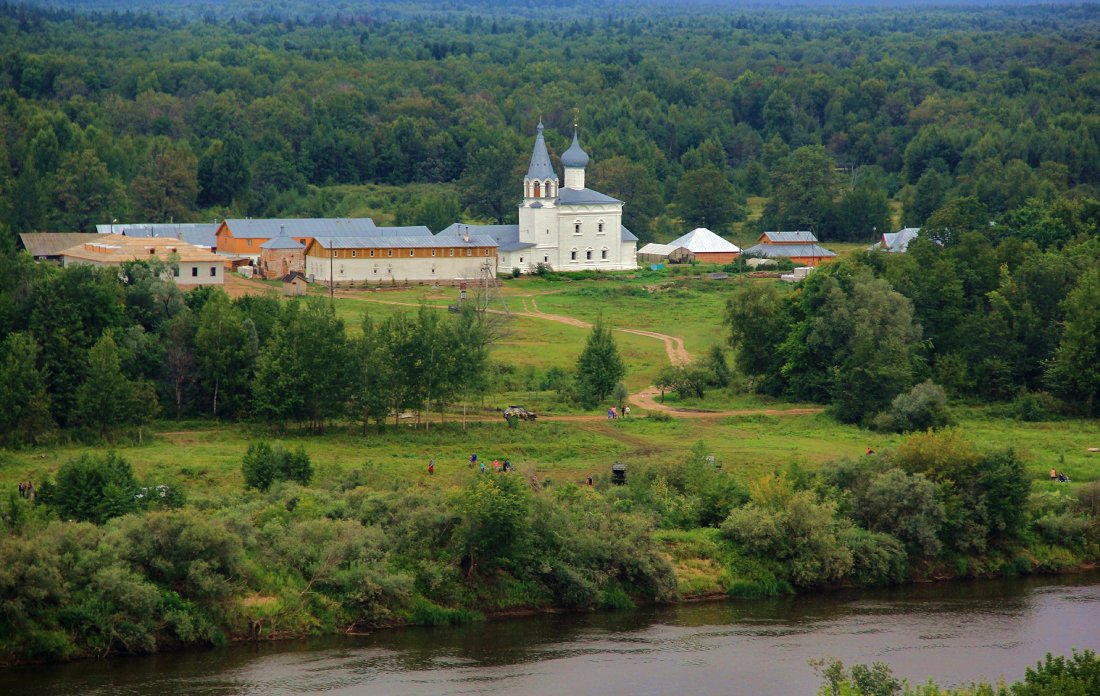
(295, 284)
(664, 253)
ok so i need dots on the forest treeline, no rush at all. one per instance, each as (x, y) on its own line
(988, 319)
(88, 352)
(136, 116)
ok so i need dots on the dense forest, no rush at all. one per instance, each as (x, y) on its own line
(831, 113)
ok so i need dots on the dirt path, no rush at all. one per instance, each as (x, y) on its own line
(236, 285)
(647, 398)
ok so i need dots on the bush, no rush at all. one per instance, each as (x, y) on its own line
(924, 407)
(1035, 406)
(93, 489)
(904, 506)
(1065, 529)
(264, 465)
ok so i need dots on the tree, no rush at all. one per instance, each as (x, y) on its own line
(84, 193)
(304, 371)
(167, 185)
(103, 400)
(948, 224)
(179, 356)
(226, 348)
(1075, 370)
(804, 184)
(25, 418)
(94, 489)
(905, 506)
(434, 210)
(758, 323)
(223, 172)
(861, 215)
(263, 465)
(705, 198)
(877, 365)
(487, 184)
(599, 367)
(926, 197)
(631, 182)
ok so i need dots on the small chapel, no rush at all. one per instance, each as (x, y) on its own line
(564, 226)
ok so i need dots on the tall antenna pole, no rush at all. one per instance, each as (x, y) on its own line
(332, 253)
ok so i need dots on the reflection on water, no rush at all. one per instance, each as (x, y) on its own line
(954, 632)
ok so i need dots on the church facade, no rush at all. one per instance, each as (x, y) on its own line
(563, 226)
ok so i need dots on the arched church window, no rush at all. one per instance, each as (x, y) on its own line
(537, 191)
(599, 227)
(588, 254)
(603, 253)
(573, 255)
(548, 188)
(576, 227)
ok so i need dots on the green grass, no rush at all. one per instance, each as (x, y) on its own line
(206, 456)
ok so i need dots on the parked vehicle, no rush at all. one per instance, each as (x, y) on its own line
(519, 412)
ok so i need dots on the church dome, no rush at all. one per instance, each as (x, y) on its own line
(540, 167)
(575, 156)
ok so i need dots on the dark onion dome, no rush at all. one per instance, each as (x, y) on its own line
(575, 156)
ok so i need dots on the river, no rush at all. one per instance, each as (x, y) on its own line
(954, 632)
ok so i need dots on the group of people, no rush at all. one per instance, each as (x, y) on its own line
(499, 466)
(1061, 478)
(613, 413)
(26, 489)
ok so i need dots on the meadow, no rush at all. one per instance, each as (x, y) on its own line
(205, 455)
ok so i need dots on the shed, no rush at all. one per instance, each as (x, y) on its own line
(295, 284)
(660, 253)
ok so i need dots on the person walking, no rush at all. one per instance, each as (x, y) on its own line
(473, 459)
(626, 412)
(431, 466)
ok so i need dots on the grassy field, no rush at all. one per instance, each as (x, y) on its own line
(206, 456)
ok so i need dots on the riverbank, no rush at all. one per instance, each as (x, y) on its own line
(952, 632)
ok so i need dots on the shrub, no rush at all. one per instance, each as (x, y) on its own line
(1035, 406)
(924, 407)
(877, 558)
(1065, 529)
(264, 465)
(793, 528)
(905, 506)
(93, 489)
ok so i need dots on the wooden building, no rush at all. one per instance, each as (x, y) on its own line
(393, 259)
(800, 247)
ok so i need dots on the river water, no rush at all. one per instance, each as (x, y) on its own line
(954, 632)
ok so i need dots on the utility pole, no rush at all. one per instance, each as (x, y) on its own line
(332, 252)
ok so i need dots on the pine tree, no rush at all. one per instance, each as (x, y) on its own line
(25, 417)
(103, 400)
(600, 367)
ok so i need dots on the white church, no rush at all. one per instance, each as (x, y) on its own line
(566, 227)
